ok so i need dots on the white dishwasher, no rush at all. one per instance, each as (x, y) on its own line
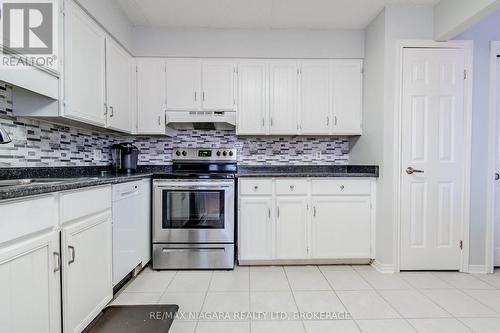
(131, 227)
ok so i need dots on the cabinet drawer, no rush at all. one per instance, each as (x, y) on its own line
(26, 216)
(77, 204)
(341, 187)
(291, 186)
(256, 186)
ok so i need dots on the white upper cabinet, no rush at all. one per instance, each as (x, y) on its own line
(283, 98)
(315, 97)
(118, 87)
(253, 98)
(347, 96)
(217, 82)
(84, 70)
(183, 84)
(150, 96)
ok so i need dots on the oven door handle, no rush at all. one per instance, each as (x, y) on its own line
(177, 187)
(200, 249)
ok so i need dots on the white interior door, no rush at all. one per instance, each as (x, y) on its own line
(497, 176)
(433, 138)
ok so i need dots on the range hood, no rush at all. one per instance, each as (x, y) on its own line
(203, 120)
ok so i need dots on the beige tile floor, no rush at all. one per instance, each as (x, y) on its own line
(425, 302)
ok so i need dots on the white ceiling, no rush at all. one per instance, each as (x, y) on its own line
(258, 14)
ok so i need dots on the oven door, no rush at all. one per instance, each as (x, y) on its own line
(193, 211)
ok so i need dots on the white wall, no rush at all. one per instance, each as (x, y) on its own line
(454, 16)
(377, 143)
(482, 33)
(249, 43)
(112, 18)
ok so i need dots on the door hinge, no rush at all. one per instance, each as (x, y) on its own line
(465, 74)
(461, 244)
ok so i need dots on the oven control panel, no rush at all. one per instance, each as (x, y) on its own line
(204, 154)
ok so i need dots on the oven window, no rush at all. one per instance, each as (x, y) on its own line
(193, 209)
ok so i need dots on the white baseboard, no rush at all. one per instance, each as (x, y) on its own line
(478, 269)
(383, 268)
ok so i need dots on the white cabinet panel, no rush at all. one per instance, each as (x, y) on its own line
(283, 98)
(341, 227)
(347, 96)
(218, 92)
(253, 98)
(291, 227)
(84, 71)
(150, 96)
(255, 228)
(315, 97)
(183, 84)
(87, 276)
(118, 87)
(30, 286)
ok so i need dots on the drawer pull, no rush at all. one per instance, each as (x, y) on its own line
(342, 188)
(57, 262)
(255, 188)
(72, 251)
(292, 187)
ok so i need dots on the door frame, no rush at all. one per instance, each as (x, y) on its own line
(490, 191)
(468, 47)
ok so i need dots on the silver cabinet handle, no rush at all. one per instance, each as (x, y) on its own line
(203, 96)
(292, 187)
(159, 120)
(410, 171)
(278, 212)
(72, 252)
(269, 212)
(342, 187)
(271, 121)
(263, 122)
(314, 211)
(57, 262)
(335, 120)
(195, 96)
(255, 188)
(112, 113)
(327, 121)
(497, 176)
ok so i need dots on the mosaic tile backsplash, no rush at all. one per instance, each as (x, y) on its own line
(36, 143)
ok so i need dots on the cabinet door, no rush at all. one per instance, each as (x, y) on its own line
(150, 96)
(183, 84)
(291, 227)
(218, 91)
(253, 98)
(118, 87)
(255, 225)
(30, 286)
(283, 98)
(87, 274)
(315, 97)
(341, 227)
(347, 96)
(84, 71)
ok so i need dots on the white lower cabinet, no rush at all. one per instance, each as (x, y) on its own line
(255, 219)
(291, 227)
(341, 227)
(30, 298)
(287, 219)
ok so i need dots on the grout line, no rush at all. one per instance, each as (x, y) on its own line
(205, 298)
(294, 299)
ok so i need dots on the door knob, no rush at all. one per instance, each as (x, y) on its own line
(410, 170)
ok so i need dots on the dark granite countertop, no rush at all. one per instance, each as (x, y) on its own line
(74, 177)
(79, 177)
(308, 171)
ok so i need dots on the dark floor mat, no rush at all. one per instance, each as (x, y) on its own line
(134, 319)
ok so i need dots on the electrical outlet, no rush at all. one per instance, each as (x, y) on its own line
(97, 154)
(318, 155)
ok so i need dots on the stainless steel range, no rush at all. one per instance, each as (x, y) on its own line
(193, 211)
